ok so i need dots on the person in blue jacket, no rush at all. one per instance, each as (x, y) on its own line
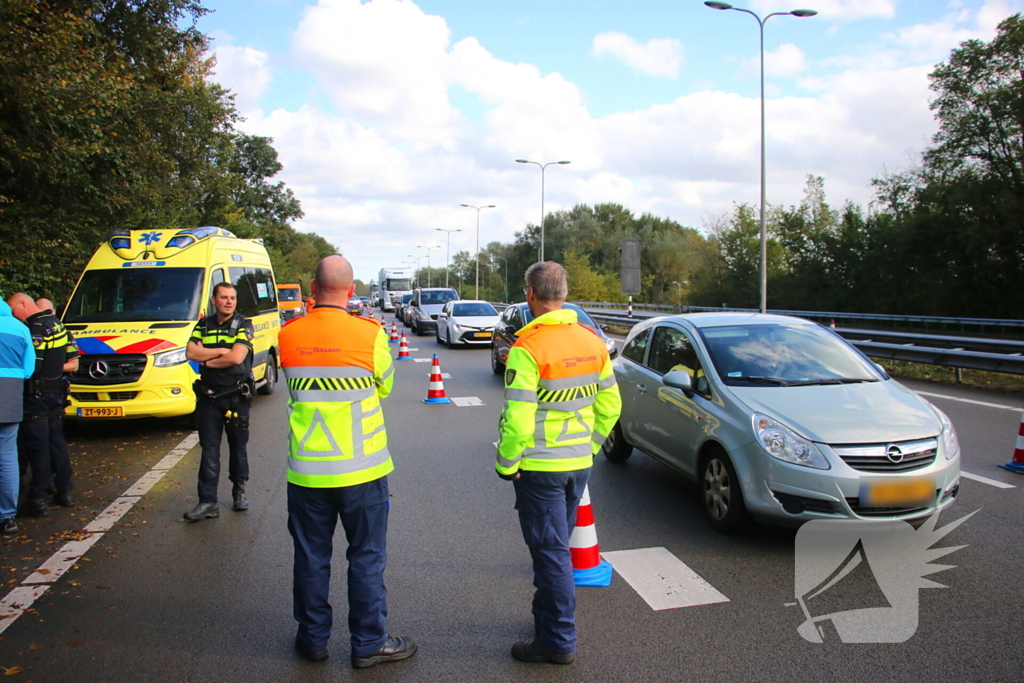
(17, 362)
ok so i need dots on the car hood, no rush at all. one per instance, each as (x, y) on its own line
(476, 320)
(870, 412)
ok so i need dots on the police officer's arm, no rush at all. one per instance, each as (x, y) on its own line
(522, 377)
(28, 360)
(383, 366)
(607, 405)
(195, 351)
(70, 354)
(240, 348)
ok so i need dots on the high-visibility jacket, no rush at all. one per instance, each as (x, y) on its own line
(338, 367)
(561, 399)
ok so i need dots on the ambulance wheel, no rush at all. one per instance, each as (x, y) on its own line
(271, 377)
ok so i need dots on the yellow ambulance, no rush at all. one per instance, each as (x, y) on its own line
(134, 308)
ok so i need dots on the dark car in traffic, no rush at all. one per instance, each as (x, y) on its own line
(516, 316)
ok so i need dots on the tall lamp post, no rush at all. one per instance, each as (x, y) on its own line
(506, 275)
(764, 241)
(428, 248)
(448, 253)
(542, 167)
(470, 206)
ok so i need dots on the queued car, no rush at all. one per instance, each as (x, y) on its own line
(357, 307)
(516, 316)
(400, 306)
(780, 419)
(426, 305)
(466, 322)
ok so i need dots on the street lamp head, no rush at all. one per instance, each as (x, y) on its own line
(804, 12)
(718, 5)
(564, 162)
(522, 161)
(466, 205)
(491, 206)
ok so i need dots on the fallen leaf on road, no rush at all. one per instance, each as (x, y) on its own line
(12, 671)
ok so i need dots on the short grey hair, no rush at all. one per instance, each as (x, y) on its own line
(549, 281)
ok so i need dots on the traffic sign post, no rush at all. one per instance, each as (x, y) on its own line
(629, 273)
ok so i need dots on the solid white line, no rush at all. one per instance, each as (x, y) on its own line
(662, 579)
(968, 400)
(20, 599)
(986, 480)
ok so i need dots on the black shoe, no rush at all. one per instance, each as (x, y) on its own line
(532, 652)
(8, 526)
(238, 495)
(317, 656)
(202, 510)
(395, 650)
(64, 499)
(35, 507)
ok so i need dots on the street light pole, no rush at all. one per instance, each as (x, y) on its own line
(764, 239)
(470, 206)
(542, 167)
(448, 253)
(506, 275)
(428, 248)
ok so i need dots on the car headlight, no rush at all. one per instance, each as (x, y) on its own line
(169, 358)
(949, 437)
(457, 327)
(610, 345)
(783, 443)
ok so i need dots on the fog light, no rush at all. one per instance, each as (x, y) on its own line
(176, 391)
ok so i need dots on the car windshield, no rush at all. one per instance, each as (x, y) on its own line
(398, 284)
(473, 310)
(428, 298)
(287, 294)
(406, 298)
(780, 354)
(155, 294)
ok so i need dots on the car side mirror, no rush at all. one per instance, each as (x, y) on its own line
(679, 379)
(510, 329)
(604, 328)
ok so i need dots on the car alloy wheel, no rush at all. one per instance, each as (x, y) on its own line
(723, 500)
(497, 367)
(615, 447)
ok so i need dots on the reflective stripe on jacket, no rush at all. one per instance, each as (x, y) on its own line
(561, 399)
(337, 367)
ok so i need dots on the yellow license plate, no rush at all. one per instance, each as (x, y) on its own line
(898, 492)
(111, 411)
(483, 335)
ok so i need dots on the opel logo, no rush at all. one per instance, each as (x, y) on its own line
(99, 370)
(894, 454)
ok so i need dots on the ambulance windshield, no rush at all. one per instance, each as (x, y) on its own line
(154, 294)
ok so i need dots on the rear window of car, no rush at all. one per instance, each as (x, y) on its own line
(438, 297)
(473, 310)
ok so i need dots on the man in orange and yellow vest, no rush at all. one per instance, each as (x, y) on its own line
(338, 366)
(561, 402)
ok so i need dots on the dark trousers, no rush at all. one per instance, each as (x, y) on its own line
(547, 503)
(312, 517)
(41, 444)
(211, 419)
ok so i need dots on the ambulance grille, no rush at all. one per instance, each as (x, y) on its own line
(108, 369)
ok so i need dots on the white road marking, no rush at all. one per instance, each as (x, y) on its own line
(662, 580)
(467, 401)
(423, 360)
(968, 400)
(986, 480)
(20, 599)
(445, 375)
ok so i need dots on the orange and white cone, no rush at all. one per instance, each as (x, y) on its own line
(1016, 464)
(394, 333)
(832, 325)
(435, 392)
(588, 568)
(403, 348)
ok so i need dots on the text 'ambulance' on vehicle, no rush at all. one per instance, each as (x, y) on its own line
(134, 308)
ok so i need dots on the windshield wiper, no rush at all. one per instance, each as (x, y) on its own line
(774, 381)
(830, 380)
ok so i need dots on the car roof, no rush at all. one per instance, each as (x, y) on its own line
(725, 318)
(470, 301)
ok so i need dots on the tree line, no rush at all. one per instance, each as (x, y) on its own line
(108, 121)
(944, 238)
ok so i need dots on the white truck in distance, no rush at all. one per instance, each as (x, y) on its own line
(393, 283)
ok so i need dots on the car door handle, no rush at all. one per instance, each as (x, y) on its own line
(641, 388)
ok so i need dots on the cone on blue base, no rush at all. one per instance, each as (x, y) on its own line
(435, 392)
(588, 569)
(1016, 464)
(403, 348)
(394, 334)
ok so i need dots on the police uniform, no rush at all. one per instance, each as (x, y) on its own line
(338, 367)
(41, 441)
(229, 412)
(561, 401)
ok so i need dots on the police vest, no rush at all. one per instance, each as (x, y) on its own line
(337, 367)
(213, 335)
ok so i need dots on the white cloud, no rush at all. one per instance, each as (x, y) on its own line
(659, 57)
(834, 10)
(243, 70)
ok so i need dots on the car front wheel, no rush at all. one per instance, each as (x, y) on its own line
(720, 489)
(497, 367)
(615, 447)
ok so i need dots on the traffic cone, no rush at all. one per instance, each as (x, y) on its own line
(435, 392)
(394, 333)
(1017, 463)
(403, 348)
(832, 325)
(588, 568)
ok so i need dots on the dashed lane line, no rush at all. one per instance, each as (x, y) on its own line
(20, 599)
(467, 401)
(662, 579)
(986, 480)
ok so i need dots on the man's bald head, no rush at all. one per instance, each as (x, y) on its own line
(45, 304)
(22, 306)
(333, 280)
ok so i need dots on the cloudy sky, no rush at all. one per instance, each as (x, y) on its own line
(389, 114)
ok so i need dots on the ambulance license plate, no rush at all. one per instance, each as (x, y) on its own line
(111, 411)
(884, 493)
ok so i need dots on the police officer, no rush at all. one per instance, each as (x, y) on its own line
(222, 345)
(561, 401)
(338, 367)
(41, 437)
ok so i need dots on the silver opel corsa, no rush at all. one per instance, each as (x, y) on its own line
(782, 419)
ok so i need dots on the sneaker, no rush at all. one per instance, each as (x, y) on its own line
(207, 510)
(240, 502)
(8, 526)
(394, 650)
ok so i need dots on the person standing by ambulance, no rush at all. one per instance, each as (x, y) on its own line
(17, 363)
(41, 436)
(561, 402)
(222, 345)
(338, 366)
